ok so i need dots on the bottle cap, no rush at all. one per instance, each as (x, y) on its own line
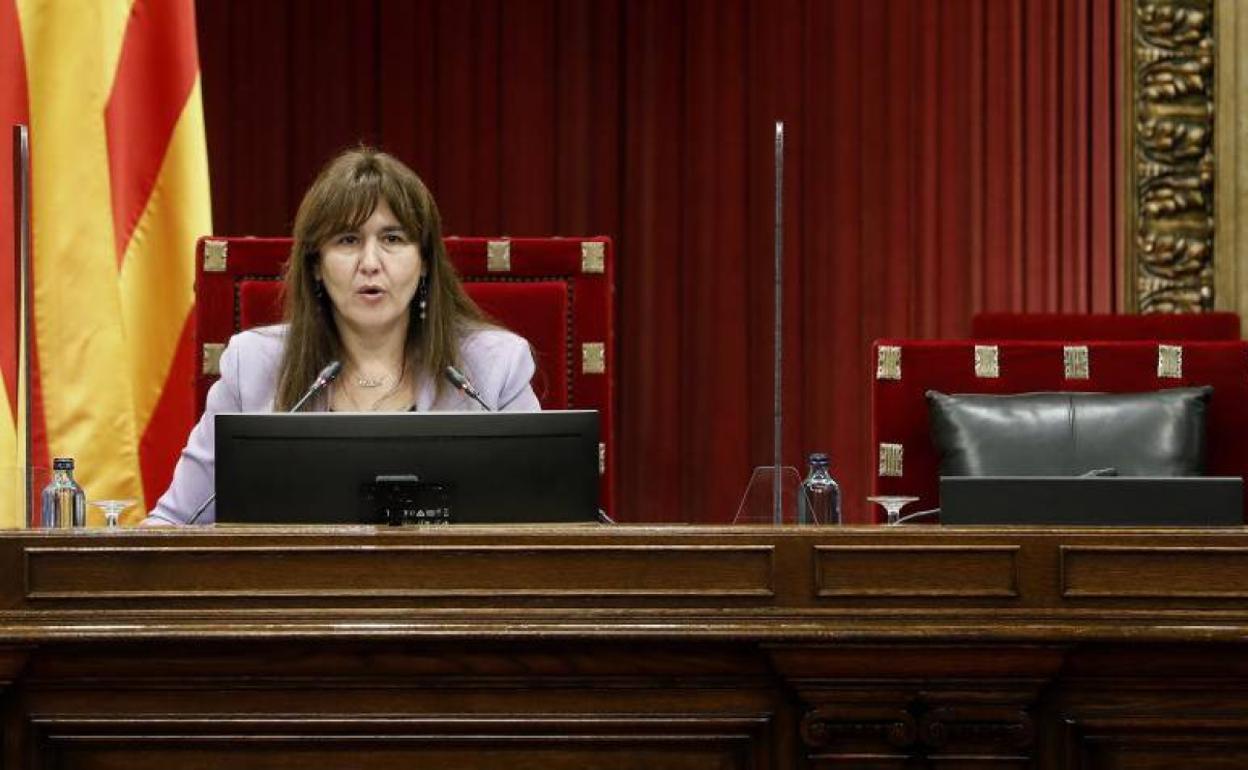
(63, 464)
(818, 458)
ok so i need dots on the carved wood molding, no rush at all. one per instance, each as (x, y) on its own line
(909, 705)
(920, 723)
(467, 740)
(577, 583)
(710, 572)
(1170, 155)
(1007, 727)
(823, 728)
(1170, 740)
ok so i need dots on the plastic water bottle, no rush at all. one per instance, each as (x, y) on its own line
(64, 502)
(820, 500)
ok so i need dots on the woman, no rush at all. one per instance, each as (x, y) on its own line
(368, 284)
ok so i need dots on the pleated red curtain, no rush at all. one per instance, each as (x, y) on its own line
(944, 157)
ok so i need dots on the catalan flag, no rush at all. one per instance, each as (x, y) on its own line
(111, 92)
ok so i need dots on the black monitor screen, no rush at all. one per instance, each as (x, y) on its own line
(440, 467)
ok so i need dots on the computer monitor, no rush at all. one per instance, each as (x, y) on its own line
(436, 467)
(1139, 501)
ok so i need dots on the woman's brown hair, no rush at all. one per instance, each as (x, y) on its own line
(341, 199)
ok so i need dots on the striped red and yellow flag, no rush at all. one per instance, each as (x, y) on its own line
(111, 92)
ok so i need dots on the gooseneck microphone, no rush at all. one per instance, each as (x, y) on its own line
(327, 375)
(457, 378)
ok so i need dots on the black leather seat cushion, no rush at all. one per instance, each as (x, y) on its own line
(1161, 433)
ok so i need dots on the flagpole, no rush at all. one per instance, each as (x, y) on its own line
(21, 285)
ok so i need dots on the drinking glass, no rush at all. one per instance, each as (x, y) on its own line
(112, 510)
(892, 505)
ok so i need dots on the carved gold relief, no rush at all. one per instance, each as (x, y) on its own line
(593, 357)
(216, 254)
(891, 459)
(593, 257)
(987, 361)
(1075, 362)
(888, 363)
(1170, 361)
(212, 358)
(1171, 170)
(498, 256)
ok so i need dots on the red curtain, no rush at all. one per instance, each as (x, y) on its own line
(944, 157)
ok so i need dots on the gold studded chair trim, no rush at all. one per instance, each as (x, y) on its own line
(498, 256)
(1075, 362)
(888, 362)
(1170, 361)
(987, 361)
(890, 459)
(216, 255)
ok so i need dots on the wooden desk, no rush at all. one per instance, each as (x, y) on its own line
(625, 647)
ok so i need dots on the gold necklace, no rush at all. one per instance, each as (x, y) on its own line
(376, 382)
(366, 382)
(374, 407)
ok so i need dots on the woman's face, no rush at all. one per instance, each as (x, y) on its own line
(371, 274)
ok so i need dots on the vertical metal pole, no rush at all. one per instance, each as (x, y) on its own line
(777, 513)
(22, 305)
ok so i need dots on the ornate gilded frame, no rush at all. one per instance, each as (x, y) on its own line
(1169, 149)
(1231, 151)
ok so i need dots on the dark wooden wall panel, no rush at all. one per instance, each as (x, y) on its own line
(665, 648)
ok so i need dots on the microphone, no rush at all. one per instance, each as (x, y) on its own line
(461, 382)
(327, 375)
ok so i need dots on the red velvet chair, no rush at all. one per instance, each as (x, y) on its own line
(907, 461)
(1157, 327)
(556, 292)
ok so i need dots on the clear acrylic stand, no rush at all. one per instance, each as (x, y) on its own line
(758, 504)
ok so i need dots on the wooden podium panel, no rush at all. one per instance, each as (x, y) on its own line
(624, 647)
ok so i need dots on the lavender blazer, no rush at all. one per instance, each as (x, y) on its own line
(498, 362)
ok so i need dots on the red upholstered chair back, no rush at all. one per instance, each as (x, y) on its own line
(1105, 326)
(907, 460)
(557, 293)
